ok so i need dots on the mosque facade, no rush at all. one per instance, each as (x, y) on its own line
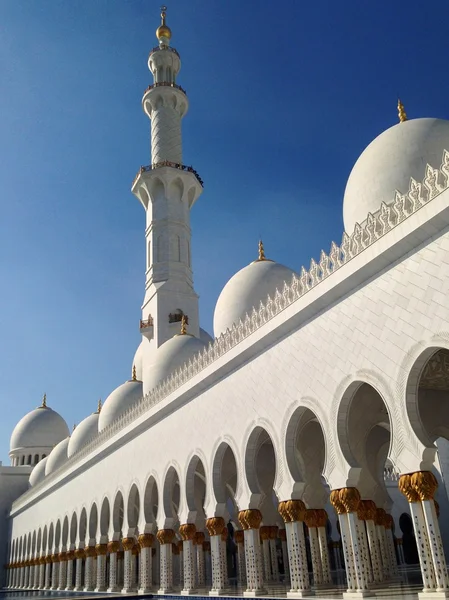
(302, 446)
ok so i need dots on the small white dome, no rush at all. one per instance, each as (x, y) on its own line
(389, 162)
(247, 288)
(38, 473)
(205, 337)
(168, 357)
(83, 433)
(40, 428)
(57, 456)
(118, 401)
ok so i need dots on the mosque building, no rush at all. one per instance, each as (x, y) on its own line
(322, 403)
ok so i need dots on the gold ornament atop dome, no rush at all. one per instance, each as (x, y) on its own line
(44, 401)
(163, 32)
(401, 112)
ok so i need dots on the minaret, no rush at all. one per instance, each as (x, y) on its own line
(167, 190)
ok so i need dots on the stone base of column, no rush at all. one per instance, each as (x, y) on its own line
(433, 594)
(163, 591)
(189, 592)
(128, 590)
(357, 594)
(78, 588)
(300, 594)
(101, 589)
(69, 588)
(144, 591)
(254, 593)
(217, 592)
(113, 590)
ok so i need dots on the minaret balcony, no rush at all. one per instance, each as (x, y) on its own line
(167, 163)
(165, 84)
(146, 327)
(164, 47)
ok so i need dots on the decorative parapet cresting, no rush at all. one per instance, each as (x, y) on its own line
(167, 163)
(376, 226)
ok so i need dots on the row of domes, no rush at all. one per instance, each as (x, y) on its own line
(401, 152)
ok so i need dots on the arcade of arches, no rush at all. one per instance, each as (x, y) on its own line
(317, 538)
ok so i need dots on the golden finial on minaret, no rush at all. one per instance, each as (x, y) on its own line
(183, 325)
(163, 32)
(99, 406)
(261, 251)
(44, 401)
(401, 111)
(134, 373)
(74, 427)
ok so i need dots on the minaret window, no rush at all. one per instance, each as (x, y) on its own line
(176, 317)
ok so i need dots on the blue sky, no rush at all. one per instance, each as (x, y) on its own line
(283, 99)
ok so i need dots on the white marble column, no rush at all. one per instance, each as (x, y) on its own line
(224, 561)
(310, 519)
(322, 518)
(348, 554)
(128, 584)
(253, 556)
(425, 485)
(89, 576)
(146, 541)
(62, 583)
(42, 566)
(363, 543)
(79, 579)
(207, 563)
(266, 561)
(390, 544)
(100, 575)
(47, 585)
(200, 563)
(382, 539)
(400, 550)
(293, 512)
(273, 553)
(187, 532)
(55, 571)
(113, 549)
(165, 538)
(215, 526)
(239, 539)
(69, 577)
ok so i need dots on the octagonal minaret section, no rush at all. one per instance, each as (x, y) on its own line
(167, 190)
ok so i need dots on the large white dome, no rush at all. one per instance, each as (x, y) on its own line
(42, 428)
(168, 357)
(38, 473)
(83, 433)
(246, 289)
(389, 162)
(57, 456)
(118, 401)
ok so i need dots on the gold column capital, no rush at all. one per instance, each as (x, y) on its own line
(250, 518)
(90, 552)
(199, 537)
(224, 534)
(321, 516)
(405, 486)
(274, 532)
(336, 502)
(239, 536)
(62, 556)
(101, 549)
(113, 547)
(265, 532)
(425, 484)
(145, 540)
(215, 525)
(175, 548)
(350, 498)
(128, 543)
(187, 531)
(310, 518)
(206, 546)
(165, 536)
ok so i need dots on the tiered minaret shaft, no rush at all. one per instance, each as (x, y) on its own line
(167, 190)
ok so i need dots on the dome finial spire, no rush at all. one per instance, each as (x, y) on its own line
(74, 427)
(401, 112)
(163, 32)
(99, 406)
(44, 401)
(134, 373)
(183, 325)
(261, 251)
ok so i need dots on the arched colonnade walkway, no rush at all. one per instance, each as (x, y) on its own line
(310, 539)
